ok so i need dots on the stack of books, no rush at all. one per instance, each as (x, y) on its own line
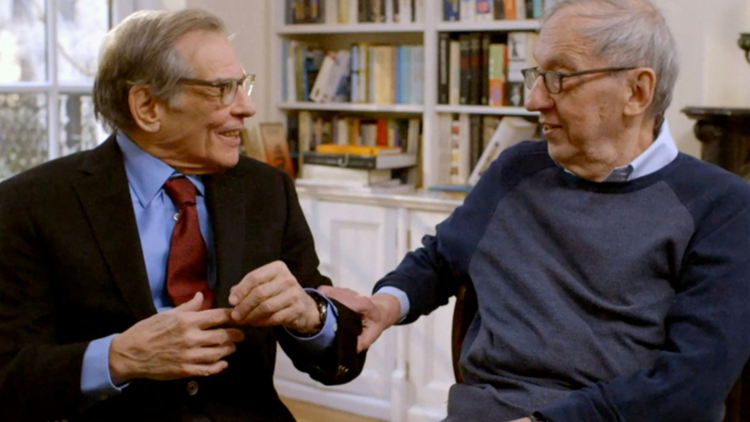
(360, 167)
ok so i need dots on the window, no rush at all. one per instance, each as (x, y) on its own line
(48, 58)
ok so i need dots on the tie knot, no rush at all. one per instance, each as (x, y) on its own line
(181, 190)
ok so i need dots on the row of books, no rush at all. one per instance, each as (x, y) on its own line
(314, 129)
(488, 10)
(484, 68)
(353, 11)
(365, 73)
(467, 144)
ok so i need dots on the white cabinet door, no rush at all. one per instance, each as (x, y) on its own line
(429, 355)
(356, 245)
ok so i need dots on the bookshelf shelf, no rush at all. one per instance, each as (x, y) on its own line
(356, 107)
(502, 111)
(426, 29)
(489, 26)
(360, 28)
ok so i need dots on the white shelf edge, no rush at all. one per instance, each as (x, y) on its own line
(369, 108)
(363, 28)
(507, 111)
(498, 25)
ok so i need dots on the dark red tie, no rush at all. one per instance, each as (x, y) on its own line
(187, 265)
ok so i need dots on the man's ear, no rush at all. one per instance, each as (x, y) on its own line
(145, 108)
(640, 91)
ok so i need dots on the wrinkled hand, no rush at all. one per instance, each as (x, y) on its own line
(378, 312)
(270, 295)
(174, 344)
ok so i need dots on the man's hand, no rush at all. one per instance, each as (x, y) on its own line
(270, 296)
(378, 312)
(174, 344)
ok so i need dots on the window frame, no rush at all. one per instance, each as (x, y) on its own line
(51, 86)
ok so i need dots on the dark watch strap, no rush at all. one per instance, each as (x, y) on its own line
(322, 303)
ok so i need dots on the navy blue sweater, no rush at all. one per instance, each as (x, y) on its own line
(597, 301)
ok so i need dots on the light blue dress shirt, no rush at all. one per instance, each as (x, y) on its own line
(660, 153)
(154, 214)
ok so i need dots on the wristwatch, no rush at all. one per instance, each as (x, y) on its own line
(322, 308)
(322, 304)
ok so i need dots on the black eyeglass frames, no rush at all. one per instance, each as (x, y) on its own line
(228, 88)
(553, 80)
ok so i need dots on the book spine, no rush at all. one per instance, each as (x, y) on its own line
(450, 10)
(475, 68)
(443, 67)
(498, 9)
(340, 160)
(484, 69)
(465, 69)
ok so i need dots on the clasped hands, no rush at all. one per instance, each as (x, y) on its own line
(187, 342)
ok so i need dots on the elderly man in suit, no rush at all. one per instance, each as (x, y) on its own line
(149, 279)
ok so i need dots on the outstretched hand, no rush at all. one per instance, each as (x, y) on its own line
(378, 312)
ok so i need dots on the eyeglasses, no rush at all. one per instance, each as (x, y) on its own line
(228, 88)
(553, 80)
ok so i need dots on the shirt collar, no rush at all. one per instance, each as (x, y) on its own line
(660, 153)
(146, 173)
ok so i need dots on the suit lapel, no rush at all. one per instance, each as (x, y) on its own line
(225, 198)
(106, 200)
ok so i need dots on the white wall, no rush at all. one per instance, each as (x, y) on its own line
(713, 69)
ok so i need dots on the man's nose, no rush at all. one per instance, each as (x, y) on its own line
(243, 106)
(539, 98)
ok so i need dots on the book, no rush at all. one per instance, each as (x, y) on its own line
(358, 149)
(347, 176)
(360, 161)
(252, 146)
(275, 146)
(467, 10)
(510, 131)
(392, 186)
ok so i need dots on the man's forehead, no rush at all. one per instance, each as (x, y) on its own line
(560, 42)
(209, 54)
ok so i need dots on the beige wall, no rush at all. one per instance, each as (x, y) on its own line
(713, 69)
(249, 21)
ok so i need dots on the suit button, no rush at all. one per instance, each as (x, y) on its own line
(192, 388)
(343, 369)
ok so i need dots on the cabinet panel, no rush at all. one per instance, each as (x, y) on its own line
(429, 356)
(356, 246)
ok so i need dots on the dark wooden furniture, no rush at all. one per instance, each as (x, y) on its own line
(466, 308)
(725, 136)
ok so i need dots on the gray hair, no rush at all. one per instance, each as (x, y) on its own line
(140, 50)
(630, 33)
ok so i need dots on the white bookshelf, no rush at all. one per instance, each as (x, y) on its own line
(427, 33)
(360, 28)
(355, 107)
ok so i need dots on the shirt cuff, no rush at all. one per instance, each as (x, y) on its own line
(325, 337)
(96, 381)
(403, 299)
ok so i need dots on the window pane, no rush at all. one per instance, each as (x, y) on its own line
(22, 41)
(79, 129)
(81, 26)
(23, 132)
